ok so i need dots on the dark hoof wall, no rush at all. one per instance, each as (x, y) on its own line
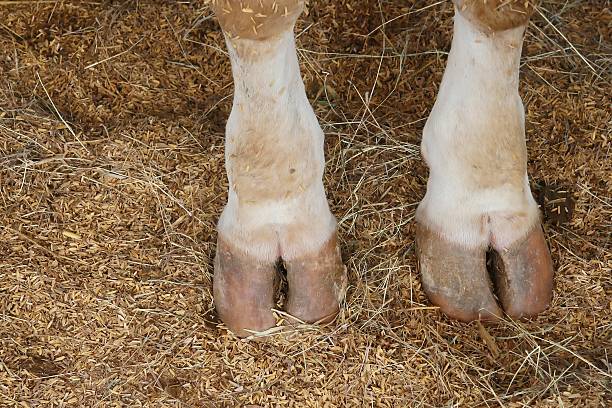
(243, 290)
(524, 276)
(317, 283)
(456, 279)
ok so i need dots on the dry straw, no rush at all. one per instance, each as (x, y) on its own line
(112, 179)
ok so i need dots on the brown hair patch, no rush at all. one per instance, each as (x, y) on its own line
(256, 19)
(496, 15)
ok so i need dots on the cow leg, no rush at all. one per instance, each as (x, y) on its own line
(478, 195)
(276, 206)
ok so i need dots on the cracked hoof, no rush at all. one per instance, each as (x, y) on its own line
(317, 283)
(456, 279)
(243, 290)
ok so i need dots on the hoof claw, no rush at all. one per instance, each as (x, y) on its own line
(456, 278)
(244, 287)
(524, 276)
(317, 283)
(243, 290)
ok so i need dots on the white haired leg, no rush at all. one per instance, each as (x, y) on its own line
(478, 193)
(276, 206)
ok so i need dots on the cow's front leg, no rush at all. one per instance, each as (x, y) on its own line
(277, 209)
(478, 195)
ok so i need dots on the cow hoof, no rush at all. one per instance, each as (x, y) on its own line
(317, 283)
(243, 289)
(455, 278)
(524, 275)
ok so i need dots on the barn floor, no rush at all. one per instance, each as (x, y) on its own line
(111, 181)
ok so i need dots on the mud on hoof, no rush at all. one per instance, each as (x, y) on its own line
(456, 279)
(244, 287)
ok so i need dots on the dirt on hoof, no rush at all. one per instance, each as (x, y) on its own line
(455, 278)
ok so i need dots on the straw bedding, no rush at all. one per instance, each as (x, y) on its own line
(111, 181)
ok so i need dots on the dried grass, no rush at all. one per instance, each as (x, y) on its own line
(111, 181)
